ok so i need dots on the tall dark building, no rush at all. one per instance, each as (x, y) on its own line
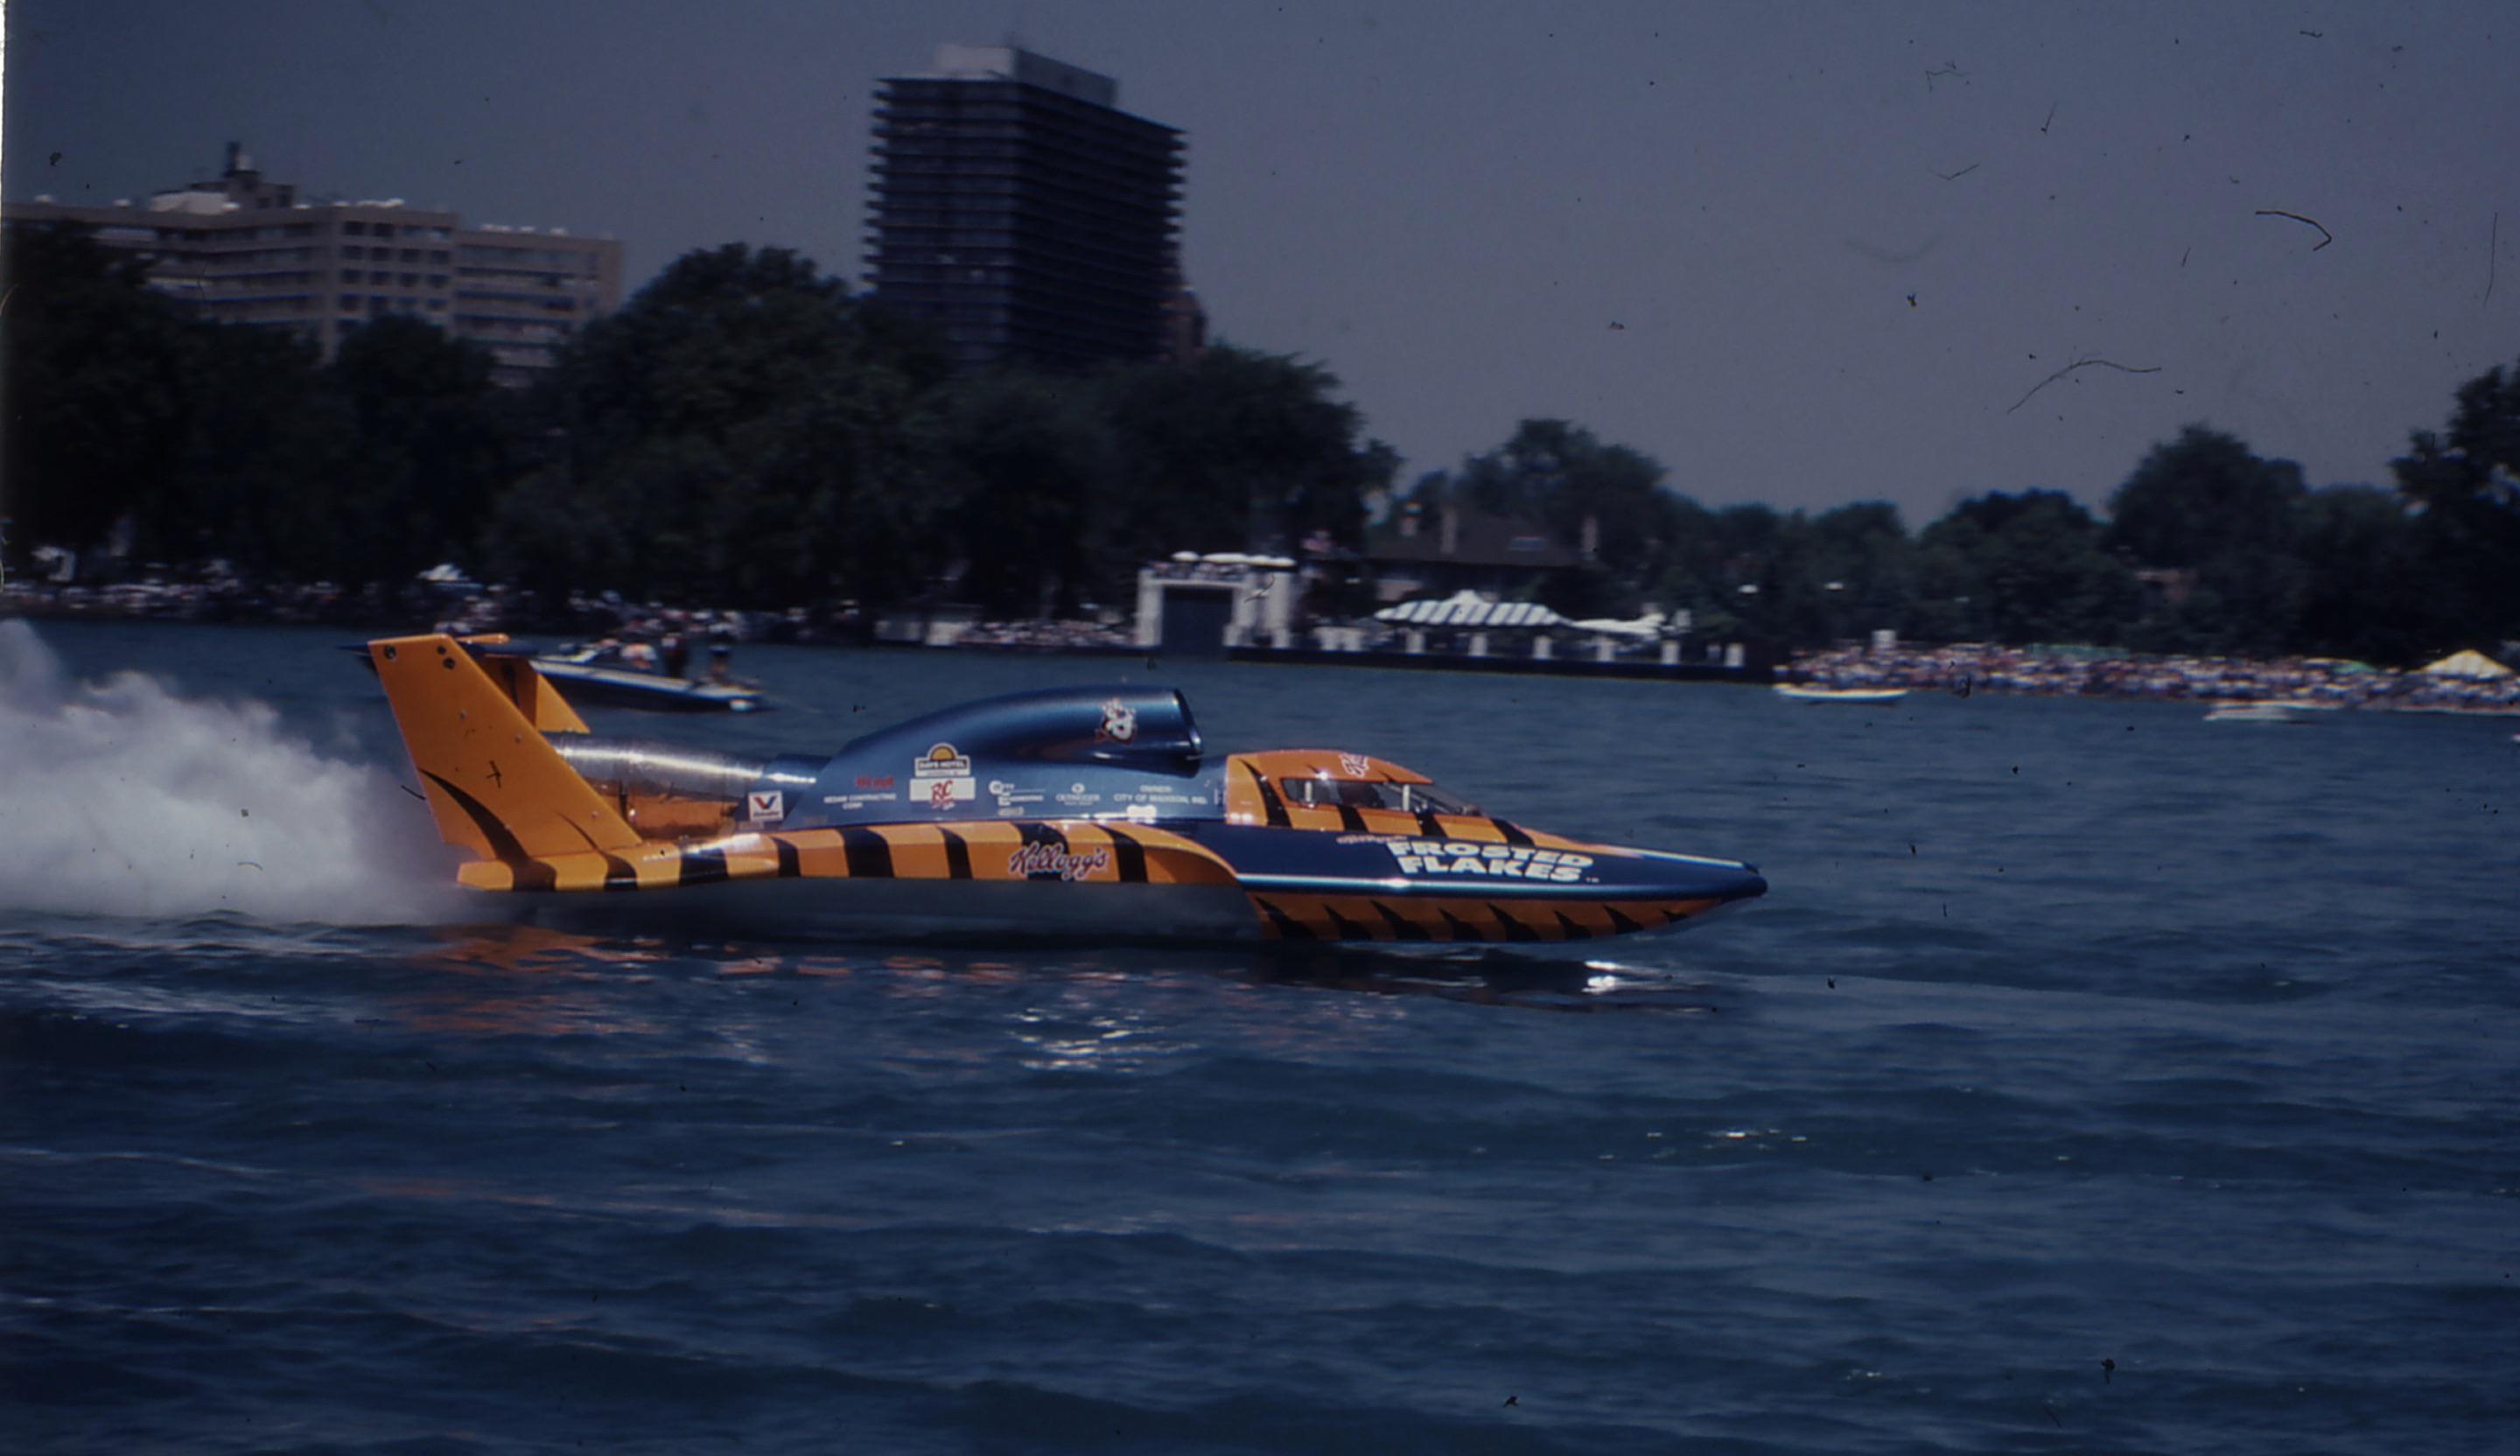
(1019, 209)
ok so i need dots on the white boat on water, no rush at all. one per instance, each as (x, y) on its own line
(593, 681)
(2263, 710)
(1807, 692)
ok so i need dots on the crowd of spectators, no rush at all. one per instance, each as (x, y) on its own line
(218, 598)
(2324, 682)
(447, 605)
(1047, 636)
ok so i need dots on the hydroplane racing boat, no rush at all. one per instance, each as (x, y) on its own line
(1037, 809)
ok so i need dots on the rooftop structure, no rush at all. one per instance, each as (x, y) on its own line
(240, 249)
(1019, 209)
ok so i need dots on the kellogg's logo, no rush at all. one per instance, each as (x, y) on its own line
(1046, 861)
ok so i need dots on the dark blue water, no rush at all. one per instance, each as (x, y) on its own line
(2093, 1078)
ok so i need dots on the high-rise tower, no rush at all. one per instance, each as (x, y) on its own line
(1017, 207)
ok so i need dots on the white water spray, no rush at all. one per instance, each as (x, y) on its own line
(121, 798)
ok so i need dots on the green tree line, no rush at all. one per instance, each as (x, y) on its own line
(743, 433)
(746, 432)
(2206, 548)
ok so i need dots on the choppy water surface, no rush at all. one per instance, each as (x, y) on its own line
(2093, 1078)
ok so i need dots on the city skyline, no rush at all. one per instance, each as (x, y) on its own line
(1804, 255)
(243, 249)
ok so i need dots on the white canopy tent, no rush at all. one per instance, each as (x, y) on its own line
(1468, 608)
(2468, 664)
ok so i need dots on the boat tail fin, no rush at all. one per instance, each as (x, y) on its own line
(475, 730)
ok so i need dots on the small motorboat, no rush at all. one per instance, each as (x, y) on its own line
(2260, 711)
(1813, 693)
(619, 683)
(1098, 809)
(605, 676)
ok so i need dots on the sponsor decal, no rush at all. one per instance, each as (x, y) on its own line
(873, 781)
(767, 807)
(1365, 838)
(1119, 723)
(941, 762)
(1076, 797)
(859, 800)
(1159, 793)
(945, 777)
(1008, 794)
(1354, 765)
(1495, 861)
(1046, 861)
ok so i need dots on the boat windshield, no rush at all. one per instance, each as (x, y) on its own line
(1361, 794)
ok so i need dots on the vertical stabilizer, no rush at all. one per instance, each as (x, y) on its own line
(530, 691)
(496, 787)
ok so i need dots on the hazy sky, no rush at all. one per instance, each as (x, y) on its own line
(1803, 254)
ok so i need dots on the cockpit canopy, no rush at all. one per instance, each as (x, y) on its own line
(1324, 778)
(1373, 794)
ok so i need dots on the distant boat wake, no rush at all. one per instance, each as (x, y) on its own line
(121, 798)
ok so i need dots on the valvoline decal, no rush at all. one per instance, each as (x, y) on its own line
(1503, 861)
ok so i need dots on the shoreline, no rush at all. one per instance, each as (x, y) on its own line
(1960, 669)
(2095, 672)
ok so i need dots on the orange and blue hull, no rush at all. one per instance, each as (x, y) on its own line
(945, 814)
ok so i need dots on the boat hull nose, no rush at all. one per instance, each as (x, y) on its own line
(1685, 876)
